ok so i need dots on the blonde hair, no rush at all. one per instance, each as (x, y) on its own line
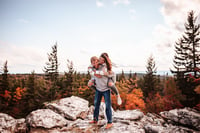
(93, 58)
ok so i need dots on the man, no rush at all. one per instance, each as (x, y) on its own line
(102, 90)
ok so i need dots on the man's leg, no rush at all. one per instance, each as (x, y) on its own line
(107, 98)
(97, 102)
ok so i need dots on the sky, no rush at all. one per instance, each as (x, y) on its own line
(130, 31)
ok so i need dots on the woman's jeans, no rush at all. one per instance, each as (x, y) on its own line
(97, 102)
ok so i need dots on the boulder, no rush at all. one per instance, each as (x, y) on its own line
(7, 123)
(153, 128)
(10, 125)
(187, 117)
(128, 115)
(45, 118)
(83, 126)
(71, 108)
(152, 118)
(20, 126)
(154, 123)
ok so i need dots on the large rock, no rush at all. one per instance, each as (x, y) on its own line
(45, 118)
(187, 117)
(128, 115)
(10, 125)
(7, 123)
(153, 119)
(71, 108)
(153, 123)
(83, 126)
(153, 128)
(20, 126)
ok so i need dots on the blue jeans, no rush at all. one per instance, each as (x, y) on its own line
(97, 102)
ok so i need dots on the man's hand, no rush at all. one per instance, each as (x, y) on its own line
(90, 83)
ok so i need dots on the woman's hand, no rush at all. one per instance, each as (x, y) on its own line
(105, 73)
(109, 72)
(97, 75)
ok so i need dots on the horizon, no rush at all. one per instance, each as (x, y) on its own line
(161, 73)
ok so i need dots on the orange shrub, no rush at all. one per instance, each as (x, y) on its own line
(134, 100)
(18, 94)
(157, 103)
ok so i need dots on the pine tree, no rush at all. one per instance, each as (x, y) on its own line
(30, 92)
(4, 81)
(187, 59)
(69, 78)
(150, 80)
(130, 75)
(187, 49)
(122, 76)
(4, 87)
(51, 70)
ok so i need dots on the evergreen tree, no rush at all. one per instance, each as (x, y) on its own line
(122, 76)
(187, 49)
(30, 93)
(69, 78)
(4, 81)
(51, 70)
(4, 87)
(187, 59)
(150, 80)
(130, 75)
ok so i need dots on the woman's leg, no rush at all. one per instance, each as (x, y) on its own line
(107, 98)
(97, 102)
(113, 87)
(115, 90)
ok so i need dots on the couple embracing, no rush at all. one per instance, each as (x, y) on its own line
(103, 81)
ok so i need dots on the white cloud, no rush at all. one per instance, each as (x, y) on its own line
(125, 2)
(175, 14)
(99, 3)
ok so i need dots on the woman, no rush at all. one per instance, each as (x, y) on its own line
(104, 59)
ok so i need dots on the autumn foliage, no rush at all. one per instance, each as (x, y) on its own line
(131, 95)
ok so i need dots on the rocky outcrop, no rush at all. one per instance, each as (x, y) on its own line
(45, 118)
(154, 123)
(128, 115)
(9, 124)
(186, 117)
(72, 114)
(70, 108)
